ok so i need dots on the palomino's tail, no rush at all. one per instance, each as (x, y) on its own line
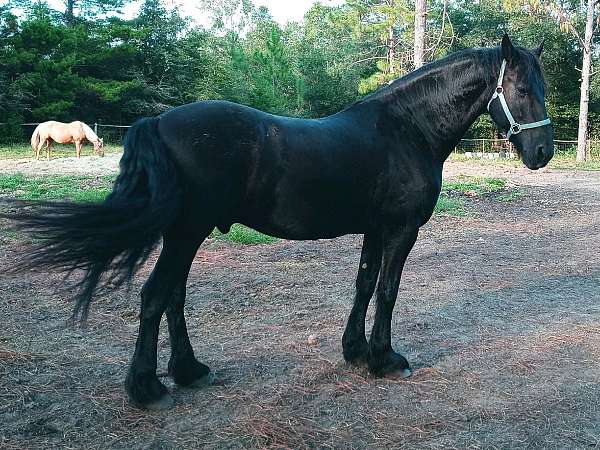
(35, 139)
(109, 241)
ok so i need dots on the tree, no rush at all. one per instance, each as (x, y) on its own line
(90, 8)
(586, 68)
(323, 52)
(233, 16)
(420, 32)
(273, 81)
(381, 24)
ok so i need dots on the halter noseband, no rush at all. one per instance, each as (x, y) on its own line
(515, 127)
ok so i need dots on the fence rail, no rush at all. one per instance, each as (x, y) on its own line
(476, 148)
(501, 148)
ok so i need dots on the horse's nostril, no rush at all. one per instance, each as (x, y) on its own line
(540, 151)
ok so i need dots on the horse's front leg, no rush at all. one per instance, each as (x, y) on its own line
(38, 149)
(354, 342)
(78, 148)
(48, 147)
(383, 359)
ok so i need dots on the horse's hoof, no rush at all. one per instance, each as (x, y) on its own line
(166, 401)
(356, 352)
(400, 375)
(357, 361)
(390, 365)
(203, 381)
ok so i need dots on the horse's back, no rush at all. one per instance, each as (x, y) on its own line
(45, 129)
(77, 129)
(47, 126)
(63, 133)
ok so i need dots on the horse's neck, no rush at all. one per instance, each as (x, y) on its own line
(89, 134)
(440, 101)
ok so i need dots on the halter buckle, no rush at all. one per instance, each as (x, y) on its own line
(499, 90)
(516, 128)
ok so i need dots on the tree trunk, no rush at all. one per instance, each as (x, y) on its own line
(420, 24)
(585, 83)
(69, 14)
(391, 45)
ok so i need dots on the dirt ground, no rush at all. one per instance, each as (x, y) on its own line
(499, 313)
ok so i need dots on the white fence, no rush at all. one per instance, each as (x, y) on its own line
(501, 148)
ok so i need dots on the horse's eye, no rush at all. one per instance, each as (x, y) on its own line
(522, 91)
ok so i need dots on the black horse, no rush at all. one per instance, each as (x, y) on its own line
(373, 169)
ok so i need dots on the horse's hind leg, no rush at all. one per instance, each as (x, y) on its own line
(39, 148)
(354, 342)
(185, 369)
(142, 385)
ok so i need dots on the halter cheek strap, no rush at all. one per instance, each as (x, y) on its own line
(515, 127)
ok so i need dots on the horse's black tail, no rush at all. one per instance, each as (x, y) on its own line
(109, 241)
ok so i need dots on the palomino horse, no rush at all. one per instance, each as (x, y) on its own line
(64, 133)
(373, 169)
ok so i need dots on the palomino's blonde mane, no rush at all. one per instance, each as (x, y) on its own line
(89, 133)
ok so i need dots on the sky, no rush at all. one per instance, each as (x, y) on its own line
(281, 10)
(286, 10)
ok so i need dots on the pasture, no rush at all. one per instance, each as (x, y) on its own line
(498, 313)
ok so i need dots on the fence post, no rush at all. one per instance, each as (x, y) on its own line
(96, 128)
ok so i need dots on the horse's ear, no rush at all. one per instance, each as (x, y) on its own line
(509, 53)
(538, 51)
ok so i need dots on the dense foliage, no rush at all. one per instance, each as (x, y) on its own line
(98, 66)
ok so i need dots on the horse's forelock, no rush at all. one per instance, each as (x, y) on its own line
(530, 65)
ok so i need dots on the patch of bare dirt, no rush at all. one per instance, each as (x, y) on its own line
(499, 313)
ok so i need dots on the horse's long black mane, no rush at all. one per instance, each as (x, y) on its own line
(487, 63)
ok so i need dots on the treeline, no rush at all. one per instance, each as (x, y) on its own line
(91, 63)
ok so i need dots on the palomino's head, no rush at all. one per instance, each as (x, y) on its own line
(517, 105)
(99, 147)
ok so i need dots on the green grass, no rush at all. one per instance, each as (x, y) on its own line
(566, 161)
(510, 197)
(559, 161)
(67, 187)
(474, 185)
(58, 151)
(452, 201)
(449, 206)
(485, 162)
(244, 235)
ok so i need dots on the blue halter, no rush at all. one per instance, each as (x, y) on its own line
(515, 127)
